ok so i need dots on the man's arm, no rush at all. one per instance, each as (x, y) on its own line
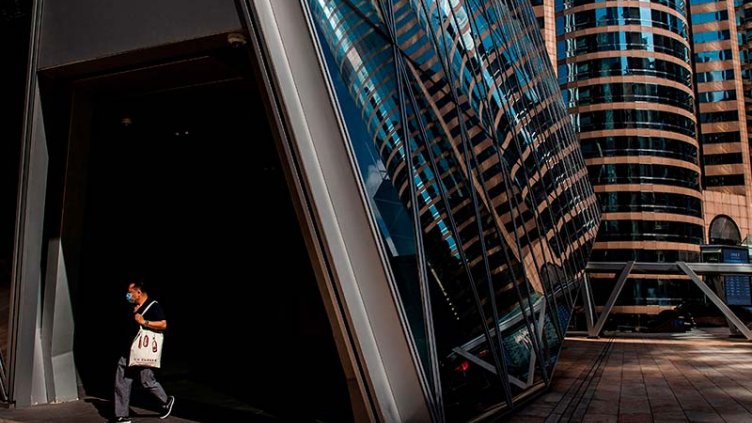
(156, 325)
(151, 324)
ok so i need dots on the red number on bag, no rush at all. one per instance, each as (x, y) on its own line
(146, 341)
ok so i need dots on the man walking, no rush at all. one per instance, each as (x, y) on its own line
(147, 313)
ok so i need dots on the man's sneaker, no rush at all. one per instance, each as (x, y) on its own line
(119, 420)
(167, 408)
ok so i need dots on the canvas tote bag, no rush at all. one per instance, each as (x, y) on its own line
(146, 349)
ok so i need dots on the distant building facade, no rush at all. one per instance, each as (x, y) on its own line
(657, 92)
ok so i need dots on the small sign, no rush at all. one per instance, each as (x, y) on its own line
(735, 255)
(737, 290)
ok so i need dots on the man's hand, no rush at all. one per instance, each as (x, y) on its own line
(139, 318)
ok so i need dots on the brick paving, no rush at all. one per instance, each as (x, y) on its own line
(96, 410)
(693, 377)
(89, 410)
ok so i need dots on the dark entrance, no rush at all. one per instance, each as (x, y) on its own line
(185, 189)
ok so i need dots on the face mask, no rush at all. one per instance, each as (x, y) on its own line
(130, 298)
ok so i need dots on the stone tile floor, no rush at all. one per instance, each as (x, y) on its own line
(83, 411)
(699, 376)
(187, 410)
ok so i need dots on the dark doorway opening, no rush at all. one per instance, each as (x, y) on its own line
(185, 189)
(15, 24)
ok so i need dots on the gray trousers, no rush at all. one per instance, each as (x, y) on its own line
(124, 380)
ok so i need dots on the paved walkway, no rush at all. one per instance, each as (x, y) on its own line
(84, 411)
(96, 410)
(695, 377)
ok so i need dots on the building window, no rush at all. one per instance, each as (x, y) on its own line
(720, 159)
(724, 180)
(724, 231)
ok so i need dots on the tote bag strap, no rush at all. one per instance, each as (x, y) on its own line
(147, 308)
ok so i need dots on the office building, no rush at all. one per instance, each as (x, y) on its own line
(719, 59)
(626, 76)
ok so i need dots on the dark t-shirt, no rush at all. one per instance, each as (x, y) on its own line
(155, 313)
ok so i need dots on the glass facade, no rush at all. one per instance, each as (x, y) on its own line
(475, 180)
(627, 79)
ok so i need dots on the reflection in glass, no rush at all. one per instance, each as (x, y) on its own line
(678, 5)
(719, 137)
(633, 173)
(623, 66)
(723, 230)
(614, 146)
(621, 92)
(708, 37)
(713, 55)
(609, 16)
(641, 201)
(622, 41)
(452, 106)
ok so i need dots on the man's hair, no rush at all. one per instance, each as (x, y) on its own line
(138, 284)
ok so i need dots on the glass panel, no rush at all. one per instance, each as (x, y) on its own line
(452, 106)
(609, 16)
(677, 5)
(707, 37)
(714, 16)
(622, 41)
(713, 55)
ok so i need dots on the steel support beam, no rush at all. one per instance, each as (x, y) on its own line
(588, 303)
(716, 300)
(693, 270)
(671, 268)
(620, 281)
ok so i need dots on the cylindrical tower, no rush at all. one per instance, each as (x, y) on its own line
(625, 71)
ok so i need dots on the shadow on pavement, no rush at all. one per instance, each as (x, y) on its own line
(191, 410)
(104, 407)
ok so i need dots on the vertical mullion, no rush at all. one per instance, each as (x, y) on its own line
(498, 356)
(387, 8)
(466, 143)
(495, 138)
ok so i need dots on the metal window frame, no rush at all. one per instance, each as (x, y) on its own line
(359, 279)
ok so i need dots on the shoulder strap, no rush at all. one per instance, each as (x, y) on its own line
(147, 307)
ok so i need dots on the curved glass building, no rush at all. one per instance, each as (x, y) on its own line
(625, 72)
(479, 188)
